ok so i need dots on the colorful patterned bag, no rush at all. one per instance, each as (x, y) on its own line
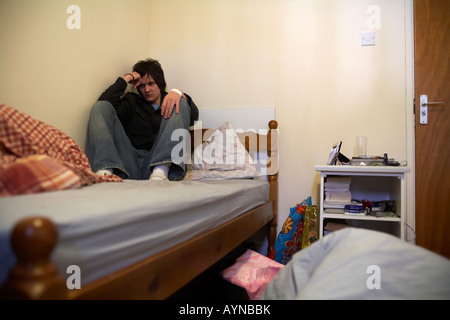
(289, 240)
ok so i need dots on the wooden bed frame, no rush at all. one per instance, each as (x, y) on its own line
(156, 277)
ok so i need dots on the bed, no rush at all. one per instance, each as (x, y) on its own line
(357, 264)
(88, 243)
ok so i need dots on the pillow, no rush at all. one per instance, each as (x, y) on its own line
(222, 156)
(289, 239)
(36, 173)
(247, 173)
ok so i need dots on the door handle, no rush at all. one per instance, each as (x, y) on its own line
(424, 108)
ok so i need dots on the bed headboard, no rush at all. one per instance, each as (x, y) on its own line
(243, 118)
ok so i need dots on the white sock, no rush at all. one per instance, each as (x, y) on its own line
(161, 170)
(104, 172)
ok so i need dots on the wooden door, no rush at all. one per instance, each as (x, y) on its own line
(432, 78)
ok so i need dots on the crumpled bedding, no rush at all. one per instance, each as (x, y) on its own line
(21, 138)
(359, 264)
(34, 174)
(222, 156)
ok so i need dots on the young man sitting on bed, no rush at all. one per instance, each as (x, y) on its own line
(130, 135)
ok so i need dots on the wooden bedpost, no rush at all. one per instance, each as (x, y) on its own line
(272, 176)
(34, 276)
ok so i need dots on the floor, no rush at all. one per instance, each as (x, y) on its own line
(211, 286)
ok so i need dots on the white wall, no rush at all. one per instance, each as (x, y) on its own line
(302, 56)
(56, 74)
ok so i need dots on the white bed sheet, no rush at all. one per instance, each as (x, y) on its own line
(107, 226)
(362, 264)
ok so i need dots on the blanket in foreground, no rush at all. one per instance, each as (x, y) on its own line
(362, 264)
(37, 157)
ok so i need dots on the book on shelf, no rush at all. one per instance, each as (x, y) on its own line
(341, 183)
(335, 205)
(350, 213)
(338, 197)
(334, 210)
(337, 192)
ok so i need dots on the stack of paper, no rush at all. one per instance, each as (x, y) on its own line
(337, 193)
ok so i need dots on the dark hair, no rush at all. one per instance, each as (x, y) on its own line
(153, 68)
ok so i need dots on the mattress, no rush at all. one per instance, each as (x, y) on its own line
(108, 226)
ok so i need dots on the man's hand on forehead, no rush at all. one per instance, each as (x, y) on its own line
(133, 78)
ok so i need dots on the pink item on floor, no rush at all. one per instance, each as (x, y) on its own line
(253, 272)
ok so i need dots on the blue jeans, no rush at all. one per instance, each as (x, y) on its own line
(108, 146)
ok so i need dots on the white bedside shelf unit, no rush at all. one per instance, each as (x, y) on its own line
(373, 183)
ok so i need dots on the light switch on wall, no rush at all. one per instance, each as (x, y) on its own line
(367, 38)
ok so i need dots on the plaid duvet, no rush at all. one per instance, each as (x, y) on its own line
(21, 137)
(35, 174)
